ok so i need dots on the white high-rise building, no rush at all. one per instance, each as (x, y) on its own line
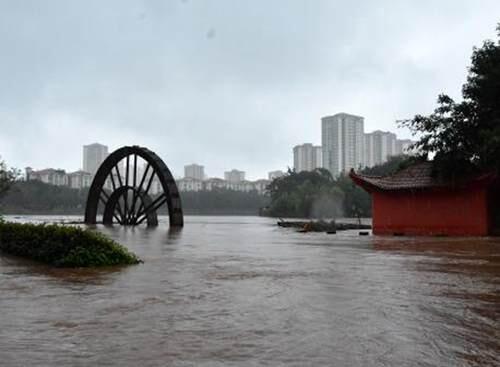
(194, 171)
(342, 137)
(93, 156)
(234, 176)
(378, 147)
(307, 157)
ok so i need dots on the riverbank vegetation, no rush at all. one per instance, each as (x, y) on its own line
(62, 246)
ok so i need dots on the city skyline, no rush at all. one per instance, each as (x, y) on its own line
(181, 172)
(346, 145)
(306, 157)
(94, 154)
(203, 99)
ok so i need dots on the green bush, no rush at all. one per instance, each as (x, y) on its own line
(62, 246)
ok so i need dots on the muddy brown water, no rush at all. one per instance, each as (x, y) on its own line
(239, 291)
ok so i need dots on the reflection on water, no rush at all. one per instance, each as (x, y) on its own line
(240, 291)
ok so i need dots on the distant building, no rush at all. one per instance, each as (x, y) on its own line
(214, 183)
(234, 176)
(275, 174)
(79, 179)
(93, 156)
(378, 147)
(195, 171)
(245, 186)
(190, 184)
(51, 176)
(343, 142)
(307, 157)
(211, 184)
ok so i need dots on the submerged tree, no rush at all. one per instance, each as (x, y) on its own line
(464, 137)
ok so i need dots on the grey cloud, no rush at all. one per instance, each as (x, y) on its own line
(223, 83)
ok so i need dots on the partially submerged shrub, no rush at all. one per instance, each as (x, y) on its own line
(63, 246)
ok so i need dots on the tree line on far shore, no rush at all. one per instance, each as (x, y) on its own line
(36, 197)
(305, 194)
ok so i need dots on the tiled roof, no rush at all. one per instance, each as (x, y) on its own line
(418, 176)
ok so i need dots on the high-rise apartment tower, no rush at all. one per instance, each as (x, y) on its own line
(378, 147)
(194, 171)
(307, 157)
(93, 156)
(343, 142)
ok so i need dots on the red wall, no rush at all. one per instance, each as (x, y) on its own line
(431, 213)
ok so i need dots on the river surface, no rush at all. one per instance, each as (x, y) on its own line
(239, 291)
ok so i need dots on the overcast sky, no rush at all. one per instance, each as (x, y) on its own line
(227, 84)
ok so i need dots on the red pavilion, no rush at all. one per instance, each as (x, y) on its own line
(414, 202)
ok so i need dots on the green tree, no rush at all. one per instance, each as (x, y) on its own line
(464, 137)
(393, 164)
(7, 177)
(305, 194)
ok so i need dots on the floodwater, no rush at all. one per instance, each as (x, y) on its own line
(239, 291)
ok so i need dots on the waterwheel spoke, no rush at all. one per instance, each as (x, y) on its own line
(151, 205)
(118, 174)
(127, 213)
(150, 182)
(137, 193)
(120, 182)
(142, 210)
(159, 201)
(124, 216)
(118, 206)
(134, 192)
(139, 211)
(118, 211)
(105, 200)
(113, 183)
(117, 218)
